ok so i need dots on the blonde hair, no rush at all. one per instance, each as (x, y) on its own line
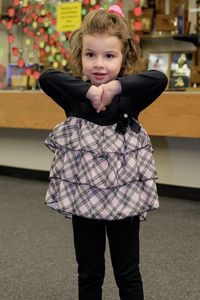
(103, 22)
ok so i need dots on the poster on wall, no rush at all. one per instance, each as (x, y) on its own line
(69, 16)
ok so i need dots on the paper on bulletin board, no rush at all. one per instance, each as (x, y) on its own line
(69, 16)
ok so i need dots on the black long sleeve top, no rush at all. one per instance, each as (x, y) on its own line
(138, 92)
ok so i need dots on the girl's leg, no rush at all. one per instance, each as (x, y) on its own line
(123, 236)
(89, 241)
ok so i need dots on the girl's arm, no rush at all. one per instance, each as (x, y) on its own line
(101, 96)
(143, 88)
(138, 91)
(62, 88)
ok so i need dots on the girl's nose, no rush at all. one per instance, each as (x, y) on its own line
(99, 62)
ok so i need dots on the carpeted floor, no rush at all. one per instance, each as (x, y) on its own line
(37, 257)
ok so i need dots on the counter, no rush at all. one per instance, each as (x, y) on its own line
(173, 114)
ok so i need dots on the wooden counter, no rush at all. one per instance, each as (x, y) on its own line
(175, 114)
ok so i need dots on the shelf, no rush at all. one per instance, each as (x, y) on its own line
(193, 38)
(156, 36)
(174, 114)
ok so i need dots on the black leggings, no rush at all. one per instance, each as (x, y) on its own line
(90, 244)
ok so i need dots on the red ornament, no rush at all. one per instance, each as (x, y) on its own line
(42, 53)
(36, 75)
(36, 38)
(11, 38)
(53, 21)
(28, 72)
(15, 51)
(31, 33)
(9, 25)
(16, 21)
(56, 34)
(29, 7)
(137, 11)
(35, 46)
(138, 25)
(37, 6)
(136, 1)
(46, 37)
(21, 63)
(86, 2)
(28, 20)
(24, 9)
(58, 44)
(25, 29)
(120, 3)
(49, 15)
(16, 2)
(40, 19)
(67, 55)
(11, 12)
(62, 50)
(33, 15)
(51, 41)
(41, 30)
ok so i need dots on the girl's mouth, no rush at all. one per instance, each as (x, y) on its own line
(99, 75)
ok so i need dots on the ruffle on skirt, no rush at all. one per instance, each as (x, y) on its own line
(99, 173)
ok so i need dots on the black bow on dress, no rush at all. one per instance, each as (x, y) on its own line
(126, 121)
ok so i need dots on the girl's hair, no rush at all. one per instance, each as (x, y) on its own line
(104, 22)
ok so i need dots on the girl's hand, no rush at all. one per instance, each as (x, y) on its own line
(110, 90)
(94, 94)
(103, 95)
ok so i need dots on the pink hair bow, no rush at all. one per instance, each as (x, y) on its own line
(115, 9)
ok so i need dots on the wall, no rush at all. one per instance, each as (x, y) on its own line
(177, 160)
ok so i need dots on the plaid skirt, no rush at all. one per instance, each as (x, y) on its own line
(100, 174)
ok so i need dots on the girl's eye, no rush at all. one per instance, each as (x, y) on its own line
(109, 55)
(90, 54)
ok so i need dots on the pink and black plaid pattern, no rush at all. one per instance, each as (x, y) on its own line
(98, 173)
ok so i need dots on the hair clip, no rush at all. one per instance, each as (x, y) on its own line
(115, 9)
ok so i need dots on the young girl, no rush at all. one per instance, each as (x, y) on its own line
(103, 173)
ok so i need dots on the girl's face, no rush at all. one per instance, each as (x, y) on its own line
(101, 57)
